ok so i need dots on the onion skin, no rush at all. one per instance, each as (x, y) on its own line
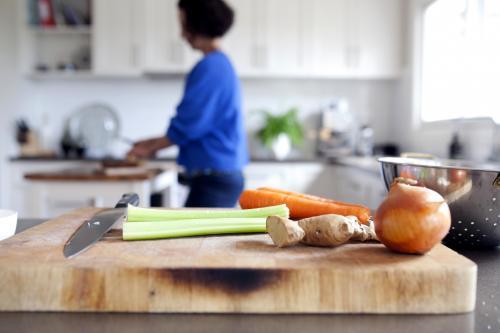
(412, 219)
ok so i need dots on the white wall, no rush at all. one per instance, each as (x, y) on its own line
(145, 105)
(9, 88)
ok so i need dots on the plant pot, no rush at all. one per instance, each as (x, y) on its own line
(282, 146)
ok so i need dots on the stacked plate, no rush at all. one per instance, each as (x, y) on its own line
(94, 127)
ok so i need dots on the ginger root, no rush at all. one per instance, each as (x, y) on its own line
(362, 232)
(284, 232)
(323, 230)
(327, 230)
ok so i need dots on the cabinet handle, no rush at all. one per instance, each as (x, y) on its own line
(260, 56)
(356, 55)
(352, 56)
(175, 53)
(134, 55)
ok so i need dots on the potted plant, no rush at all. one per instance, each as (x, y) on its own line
(281, 132)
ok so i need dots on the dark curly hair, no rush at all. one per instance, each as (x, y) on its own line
(209, 18)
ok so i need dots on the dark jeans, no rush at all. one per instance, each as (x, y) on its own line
(214, 190)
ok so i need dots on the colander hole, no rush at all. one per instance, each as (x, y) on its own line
(494, 224)
(491, 209)
(494, 199)
(460, 234)
(472, 222)
(483, 303)
(484, 235)
(472, 235)
(452, 228)
(460, 222)
(486, 219)
(465, 229)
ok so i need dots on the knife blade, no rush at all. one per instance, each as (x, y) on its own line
(92, 230)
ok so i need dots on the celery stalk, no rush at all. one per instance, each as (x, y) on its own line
(137, 214)
(185, 228)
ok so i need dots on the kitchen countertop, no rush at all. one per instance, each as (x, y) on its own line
(368, 164)
(486, 317)
(159, 159)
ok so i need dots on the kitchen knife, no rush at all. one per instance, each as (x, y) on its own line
(93, 230)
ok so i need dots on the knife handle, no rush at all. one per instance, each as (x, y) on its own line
(128, 198)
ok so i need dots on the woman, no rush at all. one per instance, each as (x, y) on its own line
(208, 125)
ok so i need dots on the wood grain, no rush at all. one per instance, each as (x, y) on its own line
(91, 175)
(241, 274)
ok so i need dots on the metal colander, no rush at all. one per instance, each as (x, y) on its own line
(472, 192)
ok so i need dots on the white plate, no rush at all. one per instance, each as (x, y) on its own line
(8, 223)
(94, 126)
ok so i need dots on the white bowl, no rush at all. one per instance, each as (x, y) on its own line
(8, 223)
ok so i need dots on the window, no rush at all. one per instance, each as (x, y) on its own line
(461, 60)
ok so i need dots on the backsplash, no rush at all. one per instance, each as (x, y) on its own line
(146, 105)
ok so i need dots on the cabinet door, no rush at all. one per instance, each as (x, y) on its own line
(379, 37)
(117, 36)
(246, 42)
(165, 49)
(328, 37)
(264, 174)
(284, 36)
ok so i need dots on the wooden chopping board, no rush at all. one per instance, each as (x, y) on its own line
(238, 274)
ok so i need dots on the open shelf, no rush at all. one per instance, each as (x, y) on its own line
(55, 75)
(63, 30)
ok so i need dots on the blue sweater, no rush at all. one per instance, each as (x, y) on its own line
(208, 126)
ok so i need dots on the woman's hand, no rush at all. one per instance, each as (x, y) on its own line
(147, 148)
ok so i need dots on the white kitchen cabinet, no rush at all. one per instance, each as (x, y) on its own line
(292, 176)
(316, 38)
(284, 38)
(48, 199)
(329, 51)
(247, 42)
(165, 50)
(353, 184)
(355, 38)
(377, 40)
(270, 38)
(33, 199)
(267, 38)
(118, 35)
(357, 186)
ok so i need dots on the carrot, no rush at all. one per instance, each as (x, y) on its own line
(306, 196)
(300, 205)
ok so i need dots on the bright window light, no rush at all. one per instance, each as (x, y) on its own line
(461, 60)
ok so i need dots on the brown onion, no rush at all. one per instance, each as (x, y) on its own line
(412, 219)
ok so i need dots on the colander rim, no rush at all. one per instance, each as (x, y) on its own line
(441, 164)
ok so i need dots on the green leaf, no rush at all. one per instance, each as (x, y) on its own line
(286, 123)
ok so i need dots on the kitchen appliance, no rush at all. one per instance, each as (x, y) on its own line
(472, 191)
(225, 274)
(337, 130)
(364, 142)
(91, 231)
